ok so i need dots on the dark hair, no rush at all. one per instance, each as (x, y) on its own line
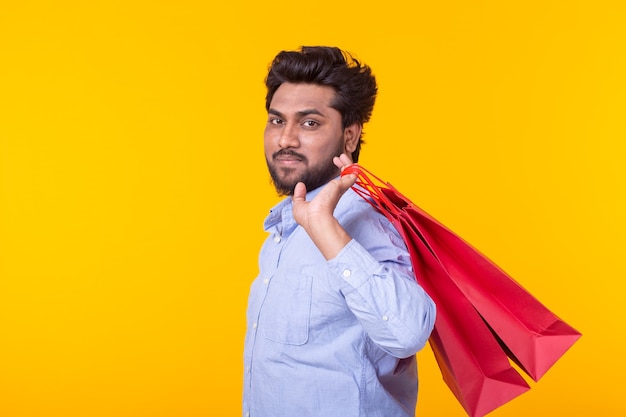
(353, 82)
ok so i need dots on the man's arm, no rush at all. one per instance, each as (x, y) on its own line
(382, 292)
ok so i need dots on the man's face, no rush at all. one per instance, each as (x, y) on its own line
(302, 135)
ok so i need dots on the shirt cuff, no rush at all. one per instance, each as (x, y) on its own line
(353, 267)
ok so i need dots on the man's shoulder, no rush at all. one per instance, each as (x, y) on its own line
(352, 204)
(352, 199)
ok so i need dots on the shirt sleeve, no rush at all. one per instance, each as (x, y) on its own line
(392, 307)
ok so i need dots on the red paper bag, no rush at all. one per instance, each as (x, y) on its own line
(534, 336)
(529, 333)
(472, 363)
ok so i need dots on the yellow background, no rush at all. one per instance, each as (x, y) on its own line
(133, 185)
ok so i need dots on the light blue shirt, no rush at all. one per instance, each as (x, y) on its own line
(334, 338)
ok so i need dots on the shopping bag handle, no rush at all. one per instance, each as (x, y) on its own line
(369, 185)
(376, 192)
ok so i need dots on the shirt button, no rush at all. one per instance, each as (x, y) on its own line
(385, 318)
(248, 414)
(346, 273)
(276, 238)
(254, 325)
(266, 281)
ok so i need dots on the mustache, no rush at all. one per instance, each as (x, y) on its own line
(288, 152)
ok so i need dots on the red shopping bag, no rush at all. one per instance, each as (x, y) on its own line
(533, 335)
(529, 333)
(471, 361)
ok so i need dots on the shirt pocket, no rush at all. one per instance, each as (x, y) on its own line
(286, 311)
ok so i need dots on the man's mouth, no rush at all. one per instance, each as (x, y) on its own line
(288, 158)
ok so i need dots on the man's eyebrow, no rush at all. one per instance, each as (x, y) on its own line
(301, 113)
(307, 112)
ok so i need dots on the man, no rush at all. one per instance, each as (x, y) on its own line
(335, 316)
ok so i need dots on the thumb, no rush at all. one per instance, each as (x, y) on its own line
(299, 192)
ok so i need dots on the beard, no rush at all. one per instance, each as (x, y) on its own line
(285, 179)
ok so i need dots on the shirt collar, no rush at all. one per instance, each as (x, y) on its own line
(280, 219)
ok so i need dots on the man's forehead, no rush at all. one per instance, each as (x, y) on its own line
(302, 98)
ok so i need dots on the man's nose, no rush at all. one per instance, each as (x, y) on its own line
(289, 137)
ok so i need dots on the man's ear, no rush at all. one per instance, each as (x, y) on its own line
(351, 135)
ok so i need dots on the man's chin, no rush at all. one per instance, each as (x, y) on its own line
(283, 187)
(282, 191)
(285, 180)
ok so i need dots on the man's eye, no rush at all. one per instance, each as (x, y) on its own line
(275, 121)
(310, 123)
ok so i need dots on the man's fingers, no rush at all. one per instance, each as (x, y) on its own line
(348, 180)
(342, 161)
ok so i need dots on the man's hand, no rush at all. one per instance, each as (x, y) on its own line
(316, 216)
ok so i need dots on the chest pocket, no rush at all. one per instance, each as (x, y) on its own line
(286, 311)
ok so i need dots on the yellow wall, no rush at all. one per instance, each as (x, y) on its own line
(133, 186)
